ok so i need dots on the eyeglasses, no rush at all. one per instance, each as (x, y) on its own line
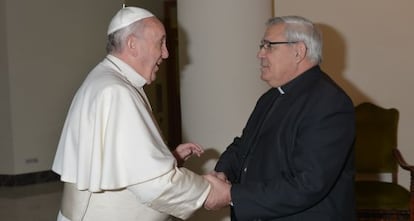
(267, 45)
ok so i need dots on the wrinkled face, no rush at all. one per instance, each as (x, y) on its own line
(277, 61)
(152, 49)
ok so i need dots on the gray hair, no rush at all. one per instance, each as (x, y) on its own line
(117, 39)
(301, 29)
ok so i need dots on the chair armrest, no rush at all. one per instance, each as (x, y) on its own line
(403, 164)
(401, 161)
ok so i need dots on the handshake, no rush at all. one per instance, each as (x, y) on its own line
(219, 195)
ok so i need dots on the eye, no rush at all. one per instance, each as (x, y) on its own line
(265, 45)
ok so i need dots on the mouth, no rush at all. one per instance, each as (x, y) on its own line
(264, 66)
(157, 65)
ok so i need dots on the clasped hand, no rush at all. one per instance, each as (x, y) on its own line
(219, 195)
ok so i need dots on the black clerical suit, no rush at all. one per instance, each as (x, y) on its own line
(295, 160)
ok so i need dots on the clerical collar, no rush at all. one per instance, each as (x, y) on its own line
(281, 91)
(127, 71)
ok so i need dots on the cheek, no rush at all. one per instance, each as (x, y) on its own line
(282, 61)
(278, 67)
(156, 54)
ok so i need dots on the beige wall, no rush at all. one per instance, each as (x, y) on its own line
(6, 148)
(46, 50)
(50, 48)
(220, 83)
(368, 51)
(154, 6)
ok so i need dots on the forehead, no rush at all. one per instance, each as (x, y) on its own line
(154, 26)
(275, 32)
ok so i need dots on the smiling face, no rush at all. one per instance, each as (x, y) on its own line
(278, 61)
(149, 48)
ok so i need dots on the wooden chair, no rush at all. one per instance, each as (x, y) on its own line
(376, 153)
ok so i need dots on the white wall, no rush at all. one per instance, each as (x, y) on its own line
(220, 77)
(369, 47)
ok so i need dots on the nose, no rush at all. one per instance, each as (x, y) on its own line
(261, 52)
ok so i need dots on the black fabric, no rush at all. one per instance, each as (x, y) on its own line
(297, 161)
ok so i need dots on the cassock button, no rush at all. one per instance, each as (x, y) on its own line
(245, 169)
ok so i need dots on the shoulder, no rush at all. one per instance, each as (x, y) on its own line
(105, 82)
(332, 92)
(322, 94)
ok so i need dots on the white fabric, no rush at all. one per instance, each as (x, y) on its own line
(107, 206)
(127, 16)
(109, 139)
(61, 217)
(111, 150)
(181, 194)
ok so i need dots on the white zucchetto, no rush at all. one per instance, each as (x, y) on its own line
(127, 16)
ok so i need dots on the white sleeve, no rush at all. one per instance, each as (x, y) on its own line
(180, 192)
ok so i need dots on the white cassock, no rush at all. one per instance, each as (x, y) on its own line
(112, 158)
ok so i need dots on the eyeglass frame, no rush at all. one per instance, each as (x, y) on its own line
(264, 44)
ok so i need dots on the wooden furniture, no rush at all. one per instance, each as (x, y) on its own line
(173, 75)
(376, 154)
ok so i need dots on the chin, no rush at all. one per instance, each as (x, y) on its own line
(153, 77)
(263, 76)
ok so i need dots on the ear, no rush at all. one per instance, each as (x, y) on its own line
(131, 44)
(300, 50)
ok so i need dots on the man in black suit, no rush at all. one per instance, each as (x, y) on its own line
(294, 159)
